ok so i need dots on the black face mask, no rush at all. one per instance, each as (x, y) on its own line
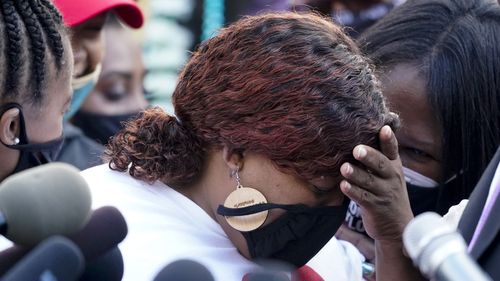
(295, 237)
(100, 127)
(422, 199)
(32, 154)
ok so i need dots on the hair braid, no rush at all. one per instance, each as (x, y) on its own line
(46, 20)
(56, 15)
(14, 45)
(38, 48)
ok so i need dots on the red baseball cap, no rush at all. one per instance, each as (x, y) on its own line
(76, 12)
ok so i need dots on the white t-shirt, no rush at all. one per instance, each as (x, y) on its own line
(165, 226)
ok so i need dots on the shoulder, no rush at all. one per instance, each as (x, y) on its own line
(101, 172)
(113, 188)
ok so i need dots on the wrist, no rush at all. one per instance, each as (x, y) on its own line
(389, 243)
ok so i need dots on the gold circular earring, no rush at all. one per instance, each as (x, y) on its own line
(245, 197)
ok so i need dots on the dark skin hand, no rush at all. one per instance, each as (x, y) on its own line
(380, 191)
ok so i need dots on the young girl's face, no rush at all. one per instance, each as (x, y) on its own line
(44, 122)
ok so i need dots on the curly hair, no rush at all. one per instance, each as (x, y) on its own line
(292, 87)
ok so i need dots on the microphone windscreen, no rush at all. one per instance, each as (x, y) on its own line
(104, 231)
(107, 267)
(422, 230)
(184, 270)
(54, 259)
(51, 199)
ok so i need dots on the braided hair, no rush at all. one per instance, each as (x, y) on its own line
(32, 34)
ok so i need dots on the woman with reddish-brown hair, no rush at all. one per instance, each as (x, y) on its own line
(266, 112)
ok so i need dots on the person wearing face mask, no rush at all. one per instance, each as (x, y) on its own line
(119, 93)
(438, 64)
(248, 169)
(86, 20)
(35, 84)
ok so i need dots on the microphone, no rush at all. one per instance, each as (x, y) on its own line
(97, 240)
(184, 270)
(51, 199)
(105, 230)
(439, 251)
(54, 259)
(107, 267)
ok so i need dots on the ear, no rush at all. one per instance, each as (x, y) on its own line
(9, 126)
(232, 158)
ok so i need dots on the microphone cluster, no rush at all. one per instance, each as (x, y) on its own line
(46, 212)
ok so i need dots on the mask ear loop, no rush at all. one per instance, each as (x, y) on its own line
(243, 197)
(23, 137)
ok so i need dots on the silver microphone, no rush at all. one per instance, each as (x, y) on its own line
(439, 251)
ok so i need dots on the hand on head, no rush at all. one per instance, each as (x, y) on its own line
(379, 188)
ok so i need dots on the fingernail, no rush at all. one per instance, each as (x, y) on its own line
(346, 169)
(345, 185)
(360, 152)
(387, 131)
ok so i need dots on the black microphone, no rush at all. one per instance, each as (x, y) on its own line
(105, 230)
(439, 251)
(55, 259)
(108, 266)
(51, 199)
(99, 241)
(184, 270)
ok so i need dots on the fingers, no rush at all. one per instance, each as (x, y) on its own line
(374, 160)
(361, 178)
(388, 143)
(357, 194)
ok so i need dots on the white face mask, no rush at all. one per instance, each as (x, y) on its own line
(417, 179)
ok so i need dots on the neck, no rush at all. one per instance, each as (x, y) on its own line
(10, 158)
(197, 193)
(210, 189)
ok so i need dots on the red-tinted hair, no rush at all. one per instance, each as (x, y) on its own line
(291, 87)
